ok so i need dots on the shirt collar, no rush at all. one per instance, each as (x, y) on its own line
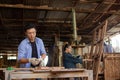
(29, 41)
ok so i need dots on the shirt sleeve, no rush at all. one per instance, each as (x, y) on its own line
(42, 49)
(21, 51)
(70, 58)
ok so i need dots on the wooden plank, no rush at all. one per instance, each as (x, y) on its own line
(112, 66)
(68, 70)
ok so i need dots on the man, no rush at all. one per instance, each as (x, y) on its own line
(31, 50)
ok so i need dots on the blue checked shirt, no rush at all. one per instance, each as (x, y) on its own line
(25, 50)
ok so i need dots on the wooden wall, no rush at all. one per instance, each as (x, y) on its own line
(112, 66)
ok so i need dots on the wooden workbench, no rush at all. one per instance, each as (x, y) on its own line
(64, 73)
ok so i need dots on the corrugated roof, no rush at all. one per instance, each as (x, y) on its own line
(55, 17)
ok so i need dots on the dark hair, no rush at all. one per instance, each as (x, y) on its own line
(66, 46)
(29, 26)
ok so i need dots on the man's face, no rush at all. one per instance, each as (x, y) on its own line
(31, 34)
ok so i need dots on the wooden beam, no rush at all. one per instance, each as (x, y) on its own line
(84, 2)
(92, 2)
(111, 23)
(41, 25)
(30, 19)
(21, 6)
(79, 1)
(92, 17)
(59, 21)
(99, 26)
(41, 19)
(67, 9)
(97, 2)
(111, 3)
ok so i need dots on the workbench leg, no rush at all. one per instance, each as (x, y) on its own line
(6, 75)
(90, 76)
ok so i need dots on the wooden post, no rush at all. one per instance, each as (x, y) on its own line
(74, 31)
(100, 52)
(60, 44)
(97, 44)
(74, 25)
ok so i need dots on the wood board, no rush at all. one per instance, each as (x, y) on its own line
(112, 66)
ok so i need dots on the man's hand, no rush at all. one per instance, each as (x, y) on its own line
(43, 56)
(78, 56)
(34, 61)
